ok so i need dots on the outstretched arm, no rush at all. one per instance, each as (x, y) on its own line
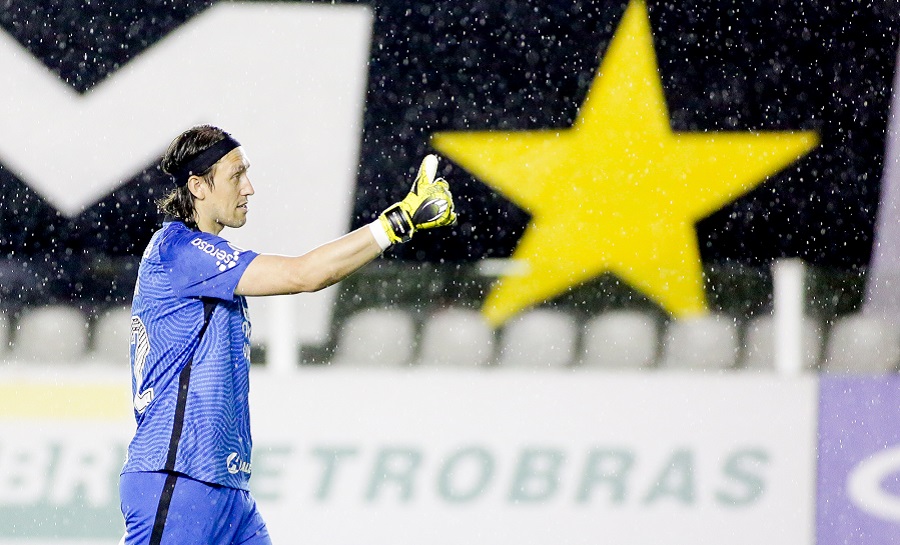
(312, 271)
(429, 204)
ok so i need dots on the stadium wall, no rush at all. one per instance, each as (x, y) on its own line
(392, 457)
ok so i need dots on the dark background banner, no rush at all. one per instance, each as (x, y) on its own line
(470, 65)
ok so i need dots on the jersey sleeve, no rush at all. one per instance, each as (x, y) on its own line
(204, 265)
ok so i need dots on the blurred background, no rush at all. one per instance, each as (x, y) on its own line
(542, 356)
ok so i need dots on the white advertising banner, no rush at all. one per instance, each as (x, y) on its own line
(446, 457)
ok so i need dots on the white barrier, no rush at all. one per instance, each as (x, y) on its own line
(346, 457)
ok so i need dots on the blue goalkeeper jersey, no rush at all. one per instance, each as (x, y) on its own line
(190, 359)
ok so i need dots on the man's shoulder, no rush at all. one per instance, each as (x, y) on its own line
(184, 248)
(176, 238)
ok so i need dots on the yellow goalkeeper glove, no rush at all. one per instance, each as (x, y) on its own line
(429, 204)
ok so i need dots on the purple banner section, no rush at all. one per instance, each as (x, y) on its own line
(858, 498)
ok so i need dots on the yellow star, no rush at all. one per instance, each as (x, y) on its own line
(619, 192)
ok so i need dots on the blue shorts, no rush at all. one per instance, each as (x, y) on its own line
(169, 508)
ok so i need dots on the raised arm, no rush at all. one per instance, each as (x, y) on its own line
(429, 204)
(312, 271)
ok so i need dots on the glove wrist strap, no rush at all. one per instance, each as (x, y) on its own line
(399, 222)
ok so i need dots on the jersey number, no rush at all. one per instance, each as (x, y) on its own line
(141, 348)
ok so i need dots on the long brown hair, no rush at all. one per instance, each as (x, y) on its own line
(179, 203)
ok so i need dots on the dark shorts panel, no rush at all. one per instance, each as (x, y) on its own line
(187, 512)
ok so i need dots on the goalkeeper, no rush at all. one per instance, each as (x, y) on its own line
(186, 473)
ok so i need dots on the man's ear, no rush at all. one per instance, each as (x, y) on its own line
(198, 187)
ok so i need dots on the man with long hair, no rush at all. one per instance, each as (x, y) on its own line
(185, 479)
